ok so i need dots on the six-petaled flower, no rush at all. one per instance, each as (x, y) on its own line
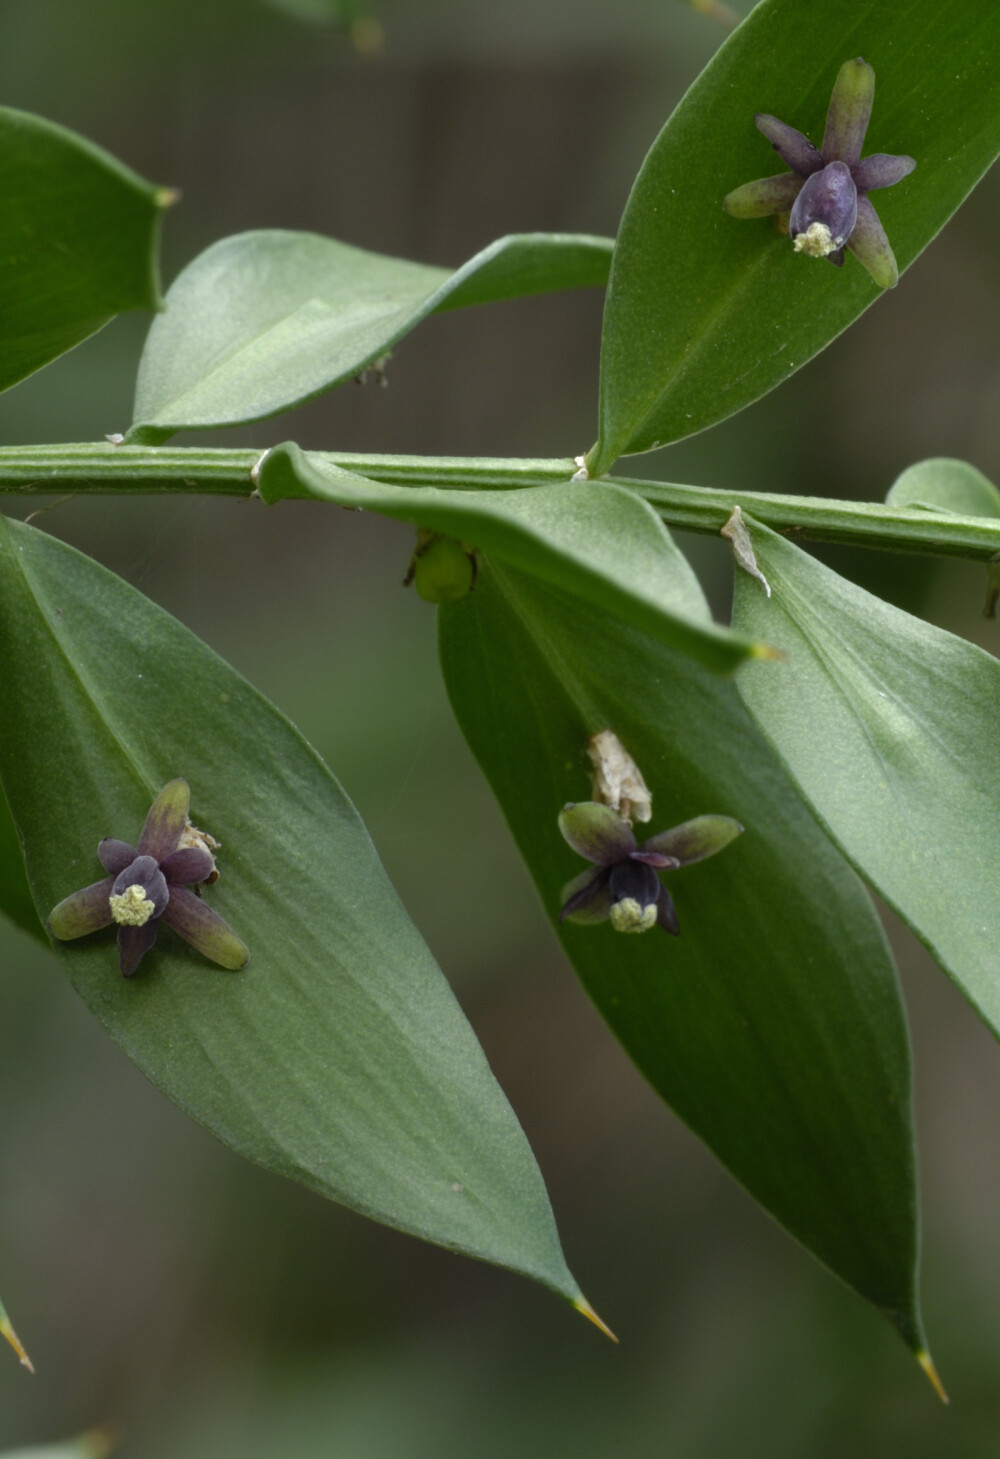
(826, 192)
(623, 885)
(150, 883)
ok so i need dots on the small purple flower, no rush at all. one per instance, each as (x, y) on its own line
(826, 192)
(623, 885)
(149, 883)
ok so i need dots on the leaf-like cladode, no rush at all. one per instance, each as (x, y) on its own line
(596, 540)
(78, 236)
(889, 726)
(264, 321)
(772, 1024)
(706, 313)
(339, 1056)
(15, 894)
(945, 485)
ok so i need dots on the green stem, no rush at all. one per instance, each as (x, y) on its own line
(825, 519)
(102, 467)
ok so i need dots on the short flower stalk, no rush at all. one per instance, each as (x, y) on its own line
(150, 883)
(826, 193)
(623, 885)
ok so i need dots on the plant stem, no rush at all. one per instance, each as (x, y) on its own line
(104, 468)
(107, 469)
(825, 519)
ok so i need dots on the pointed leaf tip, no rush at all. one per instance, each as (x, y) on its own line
(8, 1332)
(926, 1362)
(765, 651)
(583, 1306)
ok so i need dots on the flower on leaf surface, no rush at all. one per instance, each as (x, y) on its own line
(623, 885)
(826, 192)
(150, 883)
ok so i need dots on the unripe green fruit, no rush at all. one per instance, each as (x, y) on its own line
(444, 571)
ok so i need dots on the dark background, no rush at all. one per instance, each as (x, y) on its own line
(211, 1310)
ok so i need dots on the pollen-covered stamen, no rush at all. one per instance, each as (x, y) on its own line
(628, 916)
(131, 908)
(634, 889)
(139, 893)
(817, 241)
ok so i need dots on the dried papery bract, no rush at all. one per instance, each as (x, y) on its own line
(736, 534)
(618, 781)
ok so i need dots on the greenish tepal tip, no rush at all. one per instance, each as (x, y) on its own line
(222, 946)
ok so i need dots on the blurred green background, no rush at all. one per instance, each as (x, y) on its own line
(210, 1310)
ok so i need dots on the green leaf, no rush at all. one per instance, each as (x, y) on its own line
(705, 313)
(339, 1057)
(78, 234)
(944, 485)
(7, 1331)
(773, 1024)
(596, 540)
(264, 321)
(15, 894)
(890, 728)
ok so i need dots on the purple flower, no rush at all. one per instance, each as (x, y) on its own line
(149, 883)
(826, 192)
(623, 885)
